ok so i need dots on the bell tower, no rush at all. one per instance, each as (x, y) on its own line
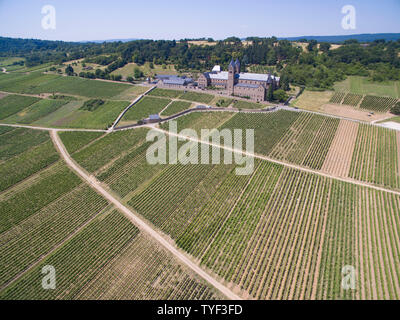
(231, 77)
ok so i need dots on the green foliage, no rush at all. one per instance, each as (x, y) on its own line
(379, 104)
(280, 95)
(92, 105)
(224, 103)
(53, 224)
(69, 70)
(396, 109)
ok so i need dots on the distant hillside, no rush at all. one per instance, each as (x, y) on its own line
(111, 40)
(367, 37)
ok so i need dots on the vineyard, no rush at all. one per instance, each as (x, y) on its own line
(29, 199)
(36, 111)
(176, 107)
(307, 141)
(200, 120)
(268, 128)
(270, 232)
(12, 104)
(376, 156)
(153, 275)
(102, 151)
(368, 102)
(352, 99)
(25, 243)
(90, 261)
(144, 108)
(36, 83)
(378, 104)
(197, 97)
(167, 93)
(240, 104)
(337, 97)
(24, 152)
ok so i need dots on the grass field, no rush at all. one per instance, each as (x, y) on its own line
(129, 70)
(312, 100)
(362, 85)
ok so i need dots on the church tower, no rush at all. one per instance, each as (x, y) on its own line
(237, 66)
(231, 77)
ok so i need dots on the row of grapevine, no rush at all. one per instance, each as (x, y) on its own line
(25, 243)
(352, 99)
(307, 141)
(368, 102)
(145, 271)
(375, 158)
(378, 104)
(22, 204)
(78, 261)
(268, 128)
(337, 97)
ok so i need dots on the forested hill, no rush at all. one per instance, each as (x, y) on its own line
(366, 37)
(316, 65)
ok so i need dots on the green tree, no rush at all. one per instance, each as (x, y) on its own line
(396, 109)
(270, 93)
(324, 46)
(137, 73)
(280, 95)
(69, 70)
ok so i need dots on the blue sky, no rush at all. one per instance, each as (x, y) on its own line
(177, 19)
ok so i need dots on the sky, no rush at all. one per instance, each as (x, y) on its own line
(177, 19)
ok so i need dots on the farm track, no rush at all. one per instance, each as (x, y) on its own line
(285, 164)
(256, 156)
(138, 221)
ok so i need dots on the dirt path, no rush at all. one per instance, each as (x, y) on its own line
(141, 224)
(49, 129)
(285, 164)
(245, 153)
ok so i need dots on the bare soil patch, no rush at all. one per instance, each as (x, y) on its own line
(338, 159)
(352, 113)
